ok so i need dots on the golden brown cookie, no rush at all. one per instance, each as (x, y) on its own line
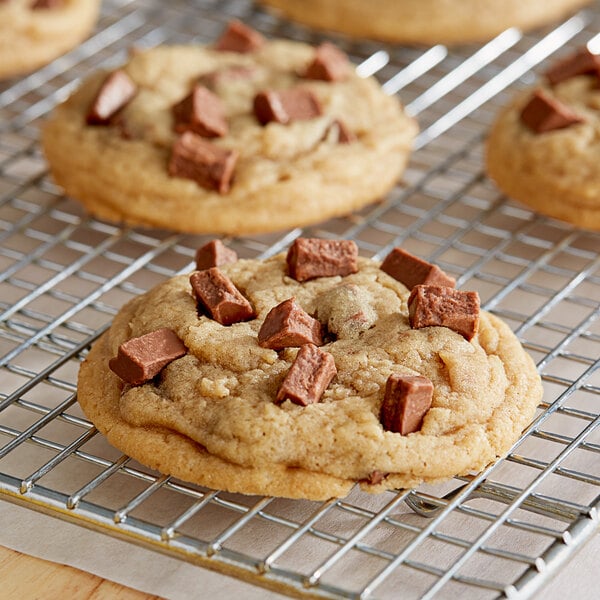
(35, 32)
(425, 21)
(543, 148)
(226, 414)
(280, 148)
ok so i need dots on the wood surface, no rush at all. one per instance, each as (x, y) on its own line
(28, 578)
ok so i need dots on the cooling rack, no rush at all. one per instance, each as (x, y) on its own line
(63, 275)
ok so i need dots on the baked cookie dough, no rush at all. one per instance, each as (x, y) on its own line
(215, 416)
(425, 21)
(286, 174)
(554, 169)
(35, 32)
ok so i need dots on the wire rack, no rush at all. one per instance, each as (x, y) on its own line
(63, 275)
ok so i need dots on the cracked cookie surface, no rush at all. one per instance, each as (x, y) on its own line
(210, 417)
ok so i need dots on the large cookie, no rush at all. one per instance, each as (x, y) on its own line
(34, 32)
(425, 21)
(543, 148)
(289, 171)
(217, 415)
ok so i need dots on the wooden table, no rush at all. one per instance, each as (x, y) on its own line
(26, 577)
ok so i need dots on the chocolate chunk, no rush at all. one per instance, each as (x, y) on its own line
(407, 400)
(374, 478)
(218, 296)
(207, 164)
(238, 37)
(42, 4)
(214, 254)
(544, 113)
(308, 258)
(308, 377)
(339, 133)
(287, 325)
(431, 306)
(285, 106)
(143, 358)
(116, 92)
(328, 64)
(582, 62)
(201, 112)
(411, 270)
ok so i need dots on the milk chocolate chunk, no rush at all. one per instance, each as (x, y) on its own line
(328, 64)
(140, 359)
(217, 295)
(289, 325)
(582, 62)
(201, 112)
(437, 306)
(308, 377)
(214, 254)
(407, 399)
(116, 92)
(285, 106)
(374, 477)
(339, 133)
(411, 270)
(544, 113)
(207, 164)
(238, 37)
(309, 258)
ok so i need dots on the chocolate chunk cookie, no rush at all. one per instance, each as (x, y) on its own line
(304, 398)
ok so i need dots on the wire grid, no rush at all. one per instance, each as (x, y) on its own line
(63, 275)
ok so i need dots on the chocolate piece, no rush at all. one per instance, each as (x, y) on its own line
(345, 135)
(214, 254)
(582, 62)
(287, 325)
(436, 306)
(218, 296)
(407, 400)
(43, 4)
(207, 164)
(143, 358)
(116, 92)
(308, 258)
(328, 64)
(544, 113)
(285, 106)
(201, 112)
(238, 37)
(411, 270)
(374, 478)
(308, 377)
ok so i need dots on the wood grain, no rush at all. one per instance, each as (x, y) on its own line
(30, 578)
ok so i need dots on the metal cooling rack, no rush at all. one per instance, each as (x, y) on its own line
(63, 275)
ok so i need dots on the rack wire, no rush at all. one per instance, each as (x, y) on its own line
(63, 275)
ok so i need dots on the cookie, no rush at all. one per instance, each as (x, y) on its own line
(35, 32)
(246, 135)
(337, 374)
(543, 147)
(425, 21)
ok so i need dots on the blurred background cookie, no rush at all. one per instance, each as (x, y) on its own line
(424, 21)
(543, 148)
(247, 135)
(35, 32)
